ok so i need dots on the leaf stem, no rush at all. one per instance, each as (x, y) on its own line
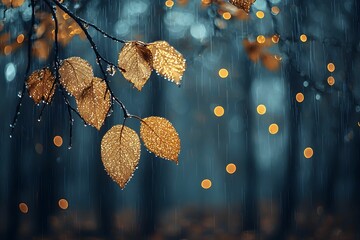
(99, 58)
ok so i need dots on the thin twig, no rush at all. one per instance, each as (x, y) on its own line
(101, 31)
(57, 75)
(17, 111)
(99, 58)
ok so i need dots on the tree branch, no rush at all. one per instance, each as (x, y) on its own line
(29, 49)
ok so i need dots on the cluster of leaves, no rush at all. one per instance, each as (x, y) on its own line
(244, 5)
(120, 146)
(12, 3)
(44, 32)
(225, 6)
(8, 45)
(257, 51)
(138, 59)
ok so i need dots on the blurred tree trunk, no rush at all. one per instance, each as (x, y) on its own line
(13, 212)
(152, 185)
(289, 187)
(250, 208)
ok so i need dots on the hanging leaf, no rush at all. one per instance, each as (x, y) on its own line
(243, 4)
(94, 103)
(167, 61)
(135, 59)
(160, 137)
(13, 3)
(41, 85)
(76, 75)
(120, 153)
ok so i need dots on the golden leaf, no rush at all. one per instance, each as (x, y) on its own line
(160, 137)
(94, 105)
(40, 85)
(270, 62)
(13, 3)
(135, 59)
(167, 61)
(258, 51)
(76, 75)
(253, 49)
(120, 153)
(41, 49)
(243, 4)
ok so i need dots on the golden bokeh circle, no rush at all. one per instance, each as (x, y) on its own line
(206, 183)
(331, 67)
(260, 14)
(261, 109)
(63, 204)
(261, 39)
(273, 128)
(231, 168)
(226, 15)
(308, 152)
(303, 38)
(23, 208)
(300, 97)
(223, 73)
(58, 141)
(219, 111)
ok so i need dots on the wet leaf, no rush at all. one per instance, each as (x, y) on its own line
(167, 61)
(76, 75)
(120, 153)
(13, 3)
(40, 85)
(243, 4)
(160, 137)
(94, 103)
(135, 59)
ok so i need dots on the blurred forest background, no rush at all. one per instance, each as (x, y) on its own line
(297, 164)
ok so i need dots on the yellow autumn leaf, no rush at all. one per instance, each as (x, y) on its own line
(13, 3)
(160, 137)
(120, 153)
(135, 59)
(94, 103)
(76, 75)
(167, 61)
(40, 85)
(243, 4)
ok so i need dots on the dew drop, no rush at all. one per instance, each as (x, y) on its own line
(111, 70)
(19, 94)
